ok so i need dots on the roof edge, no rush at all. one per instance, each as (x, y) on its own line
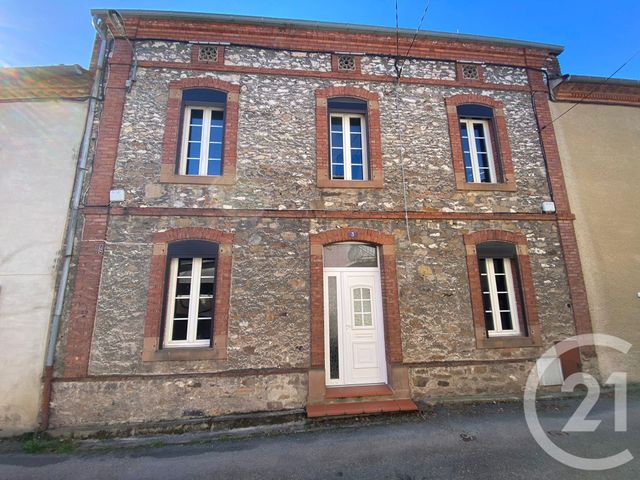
(345, 27)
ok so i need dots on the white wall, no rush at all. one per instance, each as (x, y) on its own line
(39, 143)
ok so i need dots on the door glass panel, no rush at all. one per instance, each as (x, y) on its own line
(350, 255)
(334, 371)
(361, 298)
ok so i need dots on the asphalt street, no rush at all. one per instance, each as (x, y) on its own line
(460, 442)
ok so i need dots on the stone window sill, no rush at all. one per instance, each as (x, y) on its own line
(495, 187)
(327, 183)
(171, 177)
(506, 342)
(151, 352)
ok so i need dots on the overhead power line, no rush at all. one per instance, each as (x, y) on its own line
(592, 91)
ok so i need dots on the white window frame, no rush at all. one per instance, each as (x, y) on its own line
(346, 145)
(473, 152)
(495, 304)
(194, 301)
(204, 139)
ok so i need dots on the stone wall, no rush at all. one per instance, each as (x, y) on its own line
(146, 400)
(276, 149)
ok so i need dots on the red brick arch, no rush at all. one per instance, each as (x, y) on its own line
(499, 135)
(155, 299)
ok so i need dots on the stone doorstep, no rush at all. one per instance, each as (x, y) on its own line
(359, 391)
(357, 408)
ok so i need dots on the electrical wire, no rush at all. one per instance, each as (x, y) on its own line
(398, 68)
(592, 91)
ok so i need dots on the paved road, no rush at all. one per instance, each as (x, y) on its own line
(472, 442)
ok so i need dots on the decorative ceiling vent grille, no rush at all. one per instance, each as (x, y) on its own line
(346, 63)
(208, 54)
(470, 72)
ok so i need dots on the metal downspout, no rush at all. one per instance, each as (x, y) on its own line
(73, 222)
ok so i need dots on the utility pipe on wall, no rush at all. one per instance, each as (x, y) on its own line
(73, 222)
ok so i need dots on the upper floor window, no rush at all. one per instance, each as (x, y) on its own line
(202, 132)
(190, 294)
(348, 140)
(477, 145)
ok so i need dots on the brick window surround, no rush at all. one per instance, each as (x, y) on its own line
(323, 179)
(471, 240)
(171, 142)
(499, 138)
(152, 350)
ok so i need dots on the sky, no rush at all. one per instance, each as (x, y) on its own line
(598, 36)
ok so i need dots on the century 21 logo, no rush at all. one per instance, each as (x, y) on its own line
(578, 421)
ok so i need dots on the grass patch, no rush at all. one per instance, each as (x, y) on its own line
(46, 444)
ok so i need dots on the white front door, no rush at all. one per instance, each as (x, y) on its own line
(354, 327)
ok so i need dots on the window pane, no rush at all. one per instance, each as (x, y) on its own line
(484, 283)
(184, 267)
(483, 160)
(356, 157)
(336, 140)
(214, 167)
(486, 302)
(356, 140)
(357, 172)
(367, 320)
(195, 133)
(206, 286)
(498, 265)
(488, 320)
(203, 330)
(193, 150)
(215, 150)
(478, 130)
(196, 117)
(193, 166)
(481, 145)
(208, 267)
(337, 172)
(503, 300)
(350, 255)
(482, 264)
(501, 283)
(183, 287)
(333, 328)
(356, 125)
(179, 330)
(181, 308)
(217, 119)
(336, 124)
(505, 319)
(205, 307)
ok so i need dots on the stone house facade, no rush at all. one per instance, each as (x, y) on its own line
(299, 229)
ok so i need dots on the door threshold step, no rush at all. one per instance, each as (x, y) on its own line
(356, 408)
(358, 391)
